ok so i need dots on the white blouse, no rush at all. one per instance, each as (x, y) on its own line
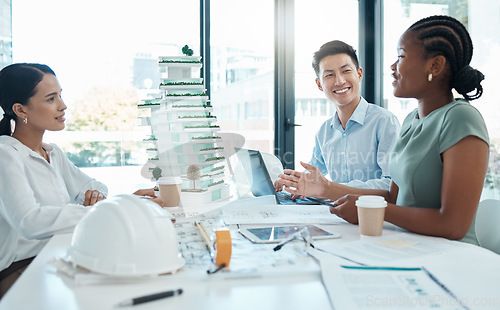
(37, 199)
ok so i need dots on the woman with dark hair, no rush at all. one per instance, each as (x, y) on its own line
(41, 192)
(439, 163)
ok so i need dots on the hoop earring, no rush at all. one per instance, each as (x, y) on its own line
(429, 77)
(25, 120)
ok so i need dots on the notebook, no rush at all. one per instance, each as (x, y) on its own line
(260, 180)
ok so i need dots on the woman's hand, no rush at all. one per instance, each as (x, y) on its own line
(305, 184)
(346, 208)
(93, 196)
(145, 192)
(150, 194)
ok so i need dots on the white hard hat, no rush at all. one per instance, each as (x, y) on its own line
(126, 236)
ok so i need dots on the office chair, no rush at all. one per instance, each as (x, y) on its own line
(488, 224)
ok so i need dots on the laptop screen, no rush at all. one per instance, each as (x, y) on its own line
(256, 171)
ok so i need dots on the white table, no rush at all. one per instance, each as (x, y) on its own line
(470, 272)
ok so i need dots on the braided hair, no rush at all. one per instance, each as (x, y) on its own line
(446, 36)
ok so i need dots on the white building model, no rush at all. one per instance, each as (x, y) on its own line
(184, 139)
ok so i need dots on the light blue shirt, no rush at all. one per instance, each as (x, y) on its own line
(359, 155)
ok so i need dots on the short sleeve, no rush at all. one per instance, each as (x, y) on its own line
(460, 121)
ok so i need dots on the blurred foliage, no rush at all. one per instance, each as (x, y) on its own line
(492, 179)
(103, 108)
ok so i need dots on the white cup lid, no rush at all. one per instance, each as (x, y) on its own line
(371, 201)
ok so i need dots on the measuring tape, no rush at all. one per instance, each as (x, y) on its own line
(223, 247)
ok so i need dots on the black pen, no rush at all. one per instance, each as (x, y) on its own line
(148, 298)
(445, 288)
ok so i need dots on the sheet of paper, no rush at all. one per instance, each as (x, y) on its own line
(384, 288)
(252, 201)
(279, 214)
(388, 249)
(248, 260)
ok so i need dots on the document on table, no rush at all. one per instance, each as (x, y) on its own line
(387, 288)
(247, 259)
(388, 249)
(278, 214)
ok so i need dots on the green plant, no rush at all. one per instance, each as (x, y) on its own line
(197, 116)
(216, 183)
(180, 83)
(202, 138)
(191, 106)
(165, 61)
(152, 138)
(213, 175)
(214, 158)
(185, 95)
(187, 51)
(212, 148)
(157, 173)
(217, 168)
(201, 126)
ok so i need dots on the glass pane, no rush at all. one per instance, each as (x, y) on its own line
(315, 25)
(482, 25)
(242, 68)
(5, 33)
(105, 55)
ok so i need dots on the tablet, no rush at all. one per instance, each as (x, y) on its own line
(276, 234)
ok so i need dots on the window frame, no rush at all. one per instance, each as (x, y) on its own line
(370, 55)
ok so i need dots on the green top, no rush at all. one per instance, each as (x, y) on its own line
(416, 166)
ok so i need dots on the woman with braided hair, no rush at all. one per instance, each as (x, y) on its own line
(439, 162)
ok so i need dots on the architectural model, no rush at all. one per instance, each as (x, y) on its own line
(184, 139)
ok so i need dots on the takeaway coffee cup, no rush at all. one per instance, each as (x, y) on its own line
(170, 190)
(371, 211)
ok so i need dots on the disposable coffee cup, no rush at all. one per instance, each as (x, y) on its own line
(170, 191)
(371, 211)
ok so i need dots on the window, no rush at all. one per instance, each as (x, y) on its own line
(105, 56)
(316, 24)
(5, 34)
(106, 63)
(242, 51)
(482, 24)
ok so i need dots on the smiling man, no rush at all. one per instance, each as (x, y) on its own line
(353, 146)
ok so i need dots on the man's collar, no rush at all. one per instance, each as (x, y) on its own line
(359, 113)
(358, 116)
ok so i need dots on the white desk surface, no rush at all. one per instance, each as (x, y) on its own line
(472, 273)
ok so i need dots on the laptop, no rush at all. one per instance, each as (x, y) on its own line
(260, 180)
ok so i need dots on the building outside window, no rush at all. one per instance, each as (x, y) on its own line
(5, 33)
(242, 68)
(316, 24)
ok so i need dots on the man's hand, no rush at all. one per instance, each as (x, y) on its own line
(302, 184)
